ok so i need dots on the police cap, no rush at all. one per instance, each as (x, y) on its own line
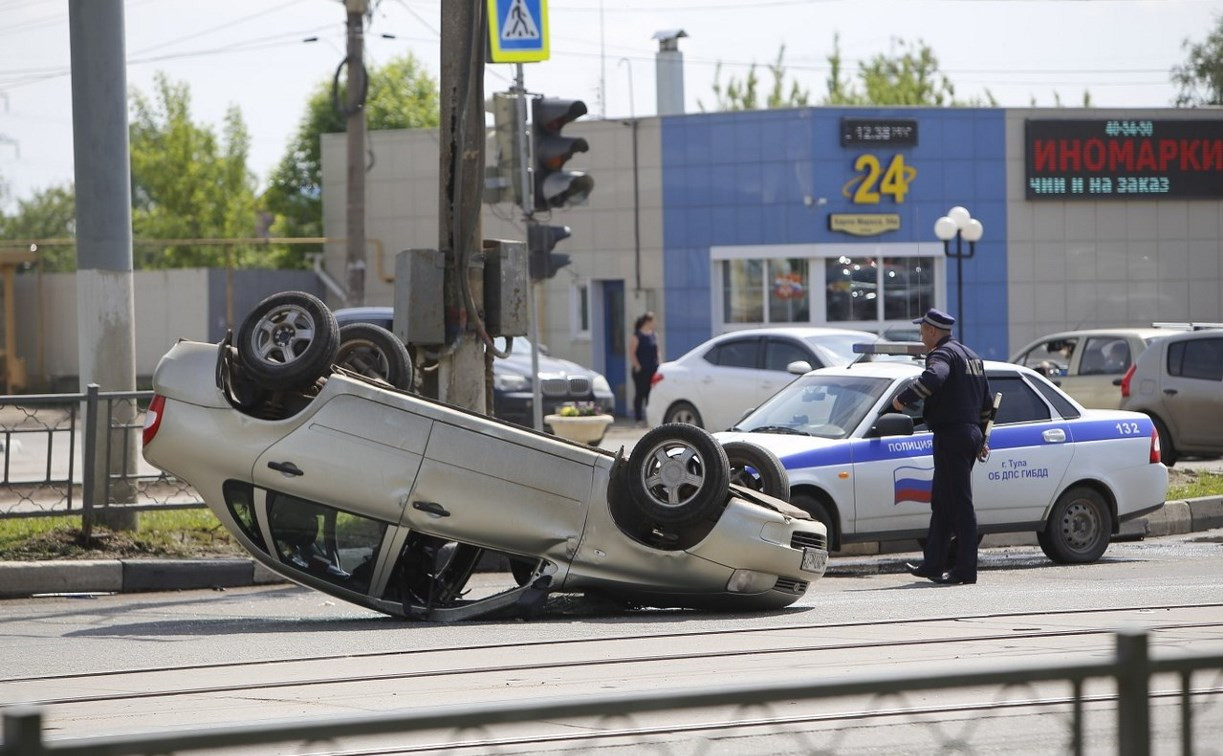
(936, 318)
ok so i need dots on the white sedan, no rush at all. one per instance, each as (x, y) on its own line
(339, 481)
(1069, 474)
(715, 383)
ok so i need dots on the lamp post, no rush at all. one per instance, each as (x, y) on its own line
(959, 224)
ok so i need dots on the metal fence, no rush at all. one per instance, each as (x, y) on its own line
(79, 454)
(1129, 675)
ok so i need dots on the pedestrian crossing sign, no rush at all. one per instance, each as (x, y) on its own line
(518, 31)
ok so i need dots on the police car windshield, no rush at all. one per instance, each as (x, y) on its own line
(825, 405)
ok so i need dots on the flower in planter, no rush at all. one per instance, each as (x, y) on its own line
(580, 409)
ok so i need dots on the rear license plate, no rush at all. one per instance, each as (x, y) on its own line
(814, 560)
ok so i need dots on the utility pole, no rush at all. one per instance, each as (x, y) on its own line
(461, 363)
(354, 109)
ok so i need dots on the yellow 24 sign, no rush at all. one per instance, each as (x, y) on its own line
(872, 180)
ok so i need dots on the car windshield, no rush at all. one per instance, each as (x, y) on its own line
(827, 406)
(838, 349)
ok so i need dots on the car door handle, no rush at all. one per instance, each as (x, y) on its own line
(1054, 436)
(431, 507)
(288, 468)
(1171, 392)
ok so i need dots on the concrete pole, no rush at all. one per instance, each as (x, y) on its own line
(355, 109)
(461, 369)
(105, 300)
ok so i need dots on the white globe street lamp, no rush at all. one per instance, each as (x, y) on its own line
(959, 224)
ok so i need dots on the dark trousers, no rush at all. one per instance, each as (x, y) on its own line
(641, 391)
(951, 511)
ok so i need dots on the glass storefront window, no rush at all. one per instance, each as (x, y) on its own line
(852, 289)
(743, 291)
(789, 291)
(908, 287)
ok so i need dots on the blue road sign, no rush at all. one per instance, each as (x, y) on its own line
(518, 31)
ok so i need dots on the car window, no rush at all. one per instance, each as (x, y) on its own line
(778, 353)
(818, 405)
(1198, 358)
(1105, 355)
(1051, 358)
(325, 542)
(1020, 403)
(740, 353)
(1056, 398)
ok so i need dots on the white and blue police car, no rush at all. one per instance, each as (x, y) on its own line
(1071, 475)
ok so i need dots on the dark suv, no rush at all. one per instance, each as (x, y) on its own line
(560, 381)
(1178, 381)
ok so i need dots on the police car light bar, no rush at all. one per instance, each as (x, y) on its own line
(910, 348)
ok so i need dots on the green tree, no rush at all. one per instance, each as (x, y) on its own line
(187, 183)
(49, 214)
(909, 75)
(401, 95)
(1200, 78)
(743, 95)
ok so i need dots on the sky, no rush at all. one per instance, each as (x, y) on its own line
(254, 54)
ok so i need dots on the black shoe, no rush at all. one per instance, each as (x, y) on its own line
(918, 570)
(951, 578)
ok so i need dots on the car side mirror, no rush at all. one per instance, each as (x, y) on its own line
(892, 424)
(798, 367)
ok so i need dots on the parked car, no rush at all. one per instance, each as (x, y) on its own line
(1069, 474)
(715, 383)
(370, 493)
(1088, 364)
(560, 381)
(1178, 381)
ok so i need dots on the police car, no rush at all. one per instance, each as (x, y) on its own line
(1069, 474)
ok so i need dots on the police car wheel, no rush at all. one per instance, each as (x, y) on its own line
(1078, 529)
(757, 468)
(678, 474)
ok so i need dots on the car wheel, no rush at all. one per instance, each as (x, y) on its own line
(288, 340)
(821, 512)
(683, 412)
(1167, 452)
(374, 352)
(1078, 529)
(757, 468)
(678, 474)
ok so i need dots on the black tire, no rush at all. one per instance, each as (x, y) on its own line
(1167, 452)
(822, 513)
(757, 468)
(374, 352)
(683, 412)
(288, 341)
(1078, 529)
(678, 474)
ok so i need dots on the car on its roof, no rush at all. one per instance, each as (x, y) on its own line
(716, 382)
(1178, 381)
(1088, 364)
(561, 382)
(1070, 475)
(339, 480)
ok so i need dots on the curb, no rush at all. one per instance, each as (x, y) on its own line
(68, 577)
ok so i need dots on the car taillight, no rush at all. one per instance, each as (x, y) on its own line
(1155, 457)
(152, 418)
(654, 379)
(1125, 381)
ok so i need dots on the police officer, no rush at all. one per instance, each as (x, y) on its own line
(957, 404)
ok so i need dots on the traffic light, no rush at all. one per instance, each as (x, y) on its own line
(550, 151)
(542, 261)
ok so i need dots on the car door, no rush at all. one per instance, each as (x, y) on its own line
(730, 385)
(1096, 381)
(1191, 390)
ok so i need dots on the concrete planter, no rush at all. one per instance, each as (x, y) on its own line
(584, 429)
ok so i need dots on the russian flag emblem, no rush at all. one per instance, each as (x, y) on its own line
(913, 484)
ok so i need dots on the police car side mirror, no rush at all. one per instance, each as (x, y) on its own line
(798, 367)
(892, 424)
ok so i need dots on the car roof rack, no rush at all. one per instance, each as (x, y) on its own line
(1186, 325)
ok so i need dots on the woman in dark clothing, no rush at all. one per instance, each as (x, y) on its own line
(643, 351)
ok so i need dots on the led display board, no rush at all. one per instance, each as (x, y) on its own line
(900, 132)
(1123, 159)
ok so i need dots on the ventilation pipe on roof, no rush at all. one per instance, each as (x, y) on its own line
(669, 66)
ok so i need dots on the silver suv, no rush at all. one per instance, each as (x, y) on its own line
(1178, 381)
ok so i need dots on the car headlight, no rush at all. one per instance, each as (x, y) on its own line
(750, 581)
(510, 382)
(601, 384)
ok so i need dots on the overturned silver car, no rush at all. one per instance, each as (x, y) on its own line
(344, 482)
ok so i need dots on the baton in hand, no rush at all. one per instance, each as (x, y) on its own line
(989, 426)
